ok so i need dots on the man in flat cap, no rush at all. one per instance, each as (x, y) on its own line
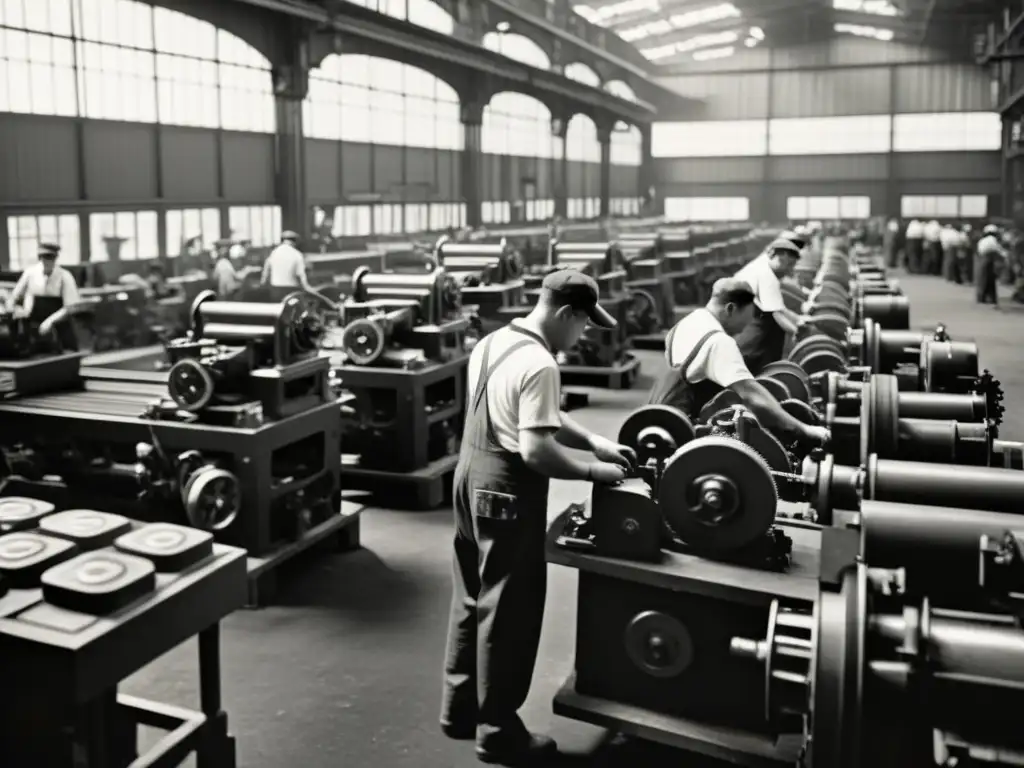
(285, 268)
(704, 359)
(48, 295)
(514, 440)
(763, 340)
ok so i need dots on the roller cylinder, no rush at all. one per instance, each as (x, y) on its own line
(948, 366)
(939, 547)
(889, 311)
(370, 285)
(898, 347)
(940, 405)
(964, 487)
(943, 442)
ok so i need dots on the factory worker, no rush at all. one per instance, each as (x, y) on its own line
(285, 267)
(932, 248)
(704, 359)
(950, 241)
(891, 243)
(514, 441)
(58, 296)
(990, 256)
(225, 271)
(762, 341)
(914, 246)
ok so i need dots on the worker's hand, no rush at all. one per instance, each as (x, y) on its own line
(606, 474)
(20, 312)
(817, 436)
(45, 328)
(610, 451)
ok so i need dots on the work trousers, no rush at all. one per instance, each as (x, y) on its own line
(915, 254)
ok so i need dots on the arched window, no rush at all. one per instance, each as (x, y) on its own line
(627, 145)
(517, 124)
(353, 97)
(143, 64)
(517, 47)
(581, 73)
(423, 13)
(581, 140)
(620, 89)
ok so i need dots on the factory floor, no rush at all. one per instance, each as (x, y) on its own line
(344, 669)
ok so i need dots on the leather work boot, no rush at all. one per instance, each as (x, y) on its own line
(459, 731)
(526, 749)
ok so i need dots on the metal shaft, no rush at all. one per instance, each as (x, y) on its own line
(939, 405)
(966, 487)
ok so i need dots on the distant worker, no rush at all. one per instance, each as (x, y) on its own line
(48, 295)
(158, 287)
(285, 268)
(226, 279)
(514, 440)
(990, 257)
(914, 243)
(763, 340)
(891, 243)
(950, 240)
(704, 360)
(932, 241)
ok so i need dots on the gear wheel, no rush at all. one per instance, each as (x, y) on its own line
(718, 494)
(992, 390)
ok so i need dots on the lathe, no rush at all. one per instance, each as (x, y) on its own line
(31, 363)
(650, 289)
(402, 373)
(241, 437)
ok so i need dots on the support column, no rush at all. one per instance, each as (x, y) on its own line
(646, 181)
(604, 138)
(291, 84)
(560, 166)
(472, 128)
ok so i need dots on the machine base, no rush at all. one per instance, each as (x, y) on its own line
(340, 533)
(422, 489)
(650, 341)
(721, 743)
(44, 373)
(620, 376)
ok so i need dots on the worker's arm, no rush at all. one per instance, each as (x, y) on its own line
(266, 272)
(300, 272)
(20, 289)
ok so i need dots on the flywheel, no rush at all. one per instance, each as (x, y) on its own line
(213, 499)
(363, 341)
(656, 432)
(190, 385)
(717, 494)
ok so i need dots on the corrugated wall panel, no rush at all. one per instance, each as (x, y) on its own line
(985, 166)
(992, 188)
(188, 163)
(711, 170)
(120, 161)
(825, 93)
(943, 88)
(38, 159)
(829, 168)
(388, 172)
(248, 160)
(356, 169)
(323, 180)
(726, 97)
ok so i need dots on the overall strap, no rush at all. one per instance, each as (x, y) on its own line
(696, 351)
(486, 372)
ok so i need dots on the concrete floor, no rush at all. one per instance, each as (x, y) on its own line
(345, 669)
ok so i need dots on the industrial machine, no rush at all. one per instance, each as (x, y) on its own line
(650, 290)
(402, 372)
(489, 276)
(241, 437)
(31, 363)
(88, 598)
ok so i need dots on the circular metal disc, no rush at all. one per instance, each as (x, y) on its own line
(832, 325)
(777, 388)
(190, 385)
(720, 402)
(798, 387)
(831, 308)
(658, 644)
(642, 311)
(822, 360)
(656, 431)
(728, 462)
(363, 341)
(212, 499)
(812, 344)
(883, 417)
(450, 295)
(514, 264)
(784, 365)
(801, 411)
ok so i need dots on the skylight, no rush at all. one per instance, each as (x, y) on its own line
(714, 53)
(861, 31)
(608, 14)
(874, 7)
(680, 21)
(713, 40)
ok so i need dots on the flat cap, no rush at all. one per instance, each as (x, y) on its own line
(49, 250)
(573, 288)
(289, 235)
(782, 244)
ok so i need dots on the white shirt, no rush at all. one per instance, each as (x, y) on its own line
(989, 245)
(284, 266)
(949, 238)
(915, 230)
(765, 283)
(719, 360)
(525, 392)
(225, 276)
(237, 251)
(34, 282)
(932, 231)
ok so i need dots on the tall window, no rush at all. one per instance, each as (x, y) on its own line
(517, 47)
(627, 145)
(422, 13)
(829, 208)
(581, 142)
(499, 212)
(126, 60)
(516, 124)
(944, 206)
(829, 135)
(124, 235)
(25, 233)
(185, 226)
(620, 89)
(715, 138)
(947, 132)
(259, 224)
(581, 73)
(707, 208)
(378, 101)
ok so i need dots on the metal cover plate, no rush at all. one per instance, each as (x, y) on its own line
(24, 557)
(171, 548)
(659, 645)
(86, 527)
(99, 582)
(18, 513)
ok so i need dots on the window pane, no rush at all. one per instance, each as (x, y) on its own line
(796, 208)
(947, 132)
(974, 206)
(729, 138)
(707, 208)
(829, 135)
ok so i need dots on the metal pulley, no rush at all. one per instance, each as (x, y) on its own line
(213, 498)
(717, 494)
(775, 388)
(190, 385)
(656, 432)
(792, 377)
(642, 313)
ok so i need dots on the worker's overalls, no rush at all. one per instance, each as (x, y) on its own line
(762, 342)
(63, 331)
(915, 252)
(986, 276)
(675, 390)
(500, 574)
